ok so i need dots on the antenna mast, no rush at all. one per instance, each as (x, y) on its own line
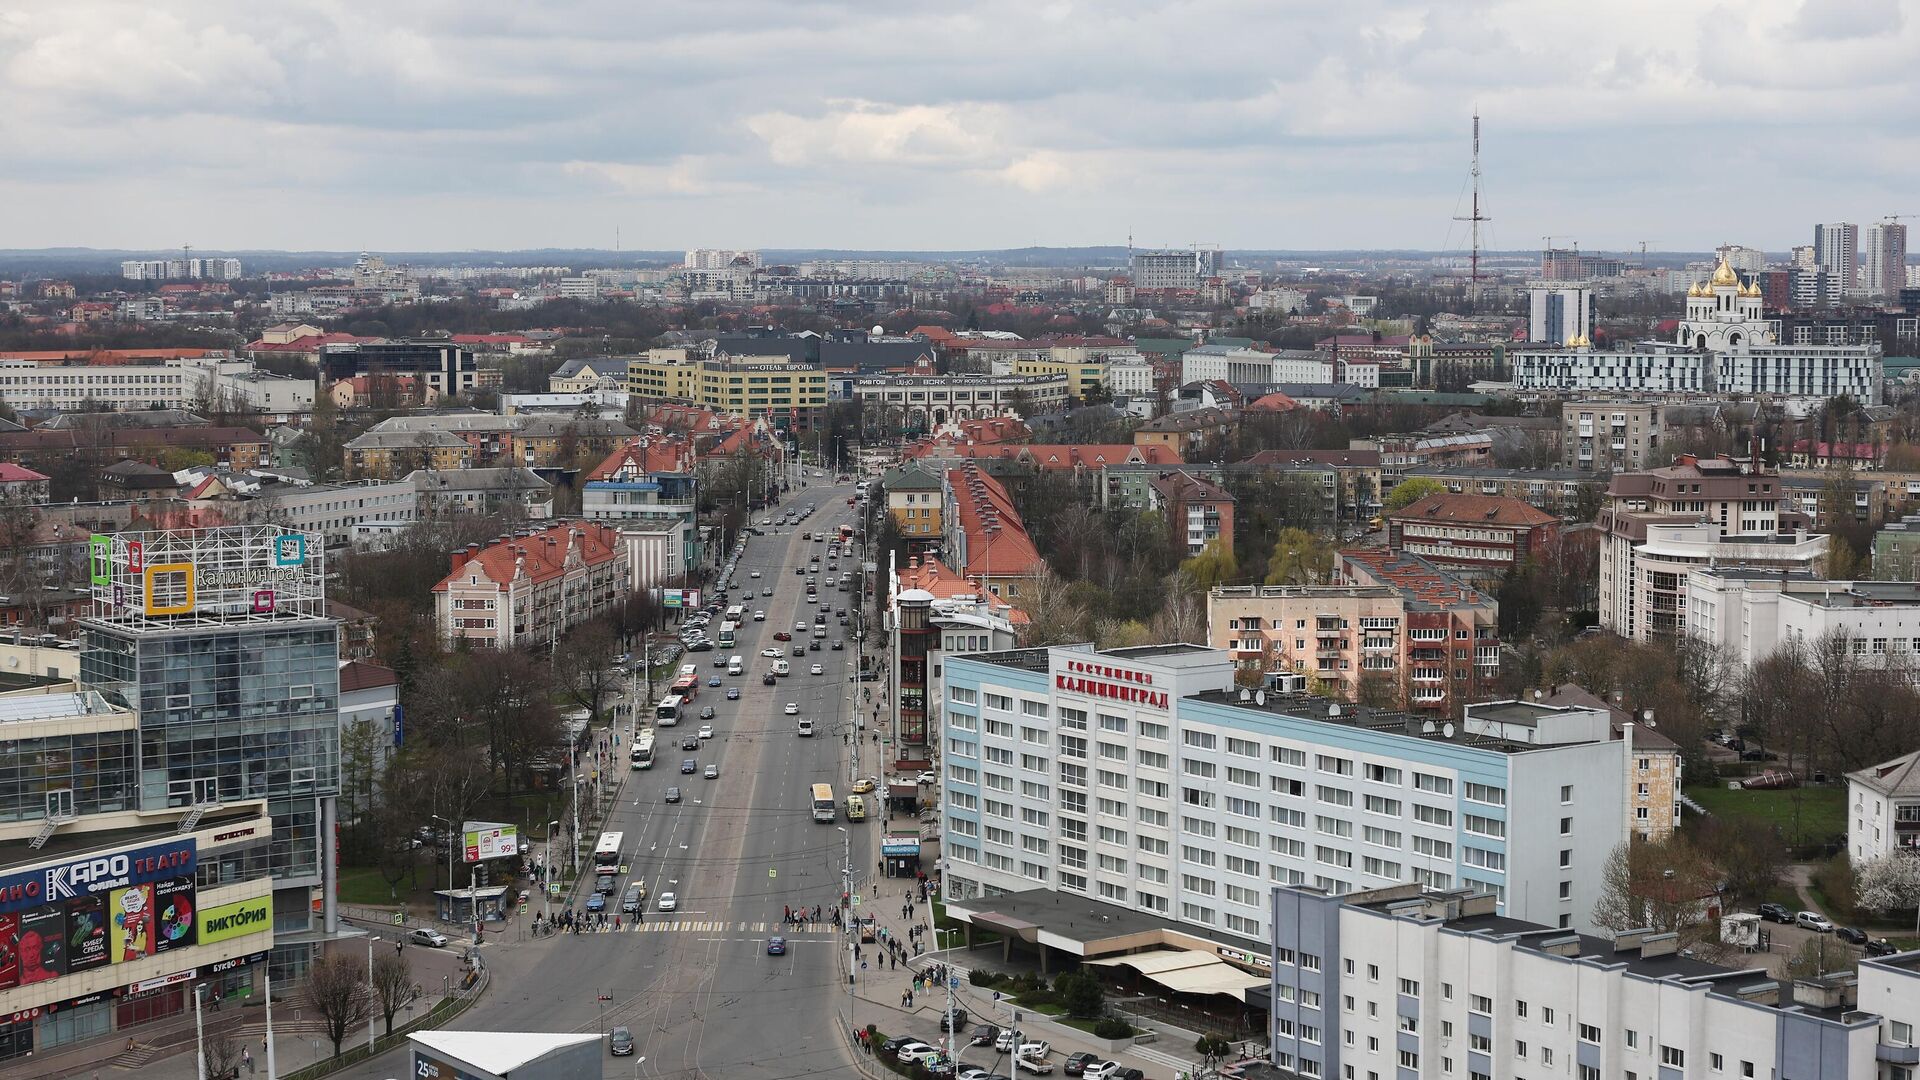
(1473, 289)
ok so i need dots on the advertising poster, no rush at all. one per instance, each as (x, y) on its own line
(132, 909)
(86, 933)
(9, 951)
(175, 925)
(43, 944)
(235, 919)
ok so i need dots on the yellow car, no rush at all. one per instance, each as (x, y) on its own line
(862, 786)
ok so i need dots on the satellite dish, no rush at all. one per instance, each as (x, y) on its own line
(1426, 727)
(1447, 729)
(1245, 694)
(1333, 710)
(878, 330)
(1260, 698)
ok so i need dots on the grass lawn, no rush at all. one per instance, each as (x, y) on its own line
(1822, 810)
(363, 885)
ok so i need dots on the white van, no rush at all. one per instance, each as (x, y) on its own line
(780, 668)
(736, 665)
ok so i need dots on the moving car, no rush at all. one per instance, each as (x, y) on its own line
(781, 635)
(668, 902)
(1814, 921)
(689, 766)
(1776, 913)
(767, 679)
(426, 937)
(596, 902)
(733, 693)
(806, 729)
(814, 670)
(799, 650)
(706, 712)
(713, 772)
(673, 794)
(604, 884)
(814, 646)
(715, 681)
(838, 644)
(620, 1041)
(691, 742)
(636, 895)
(863, 785)
(792, 708)
(776, 946)
(754, 574)
(706, 731)
(759, 616)
(799, 628)
(1880, 947)
(771, 652)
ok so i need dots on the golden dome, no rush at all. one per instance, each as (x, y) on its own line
(1724, 275)
(1697, 289)
(1753, 288)
(1578, 341)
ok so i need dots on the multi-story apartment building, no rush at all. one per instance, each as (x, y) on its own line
(983, 536)
(1478, 536)
(1611, 435)
(1661, 524)
(914, 501)
(1176, 269)
(1724, 345)
(1396, 630)
(925, 402)
(772, 385)
(1883, 809)
(562, 441)
(1559, 315)
(1883, 260)
(1836, 250)
(933, 612)
(531, 588)
(1198, 512)
(389, 455)
(1564, 493)
(1351, 481)
(1144, 779)
(1750, 612)
(1411, 982)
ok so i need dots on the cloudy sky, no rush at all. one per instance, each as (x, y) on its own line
(451, 124)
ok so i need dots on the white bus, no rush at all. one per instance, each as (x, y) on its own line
(736, 614)
(607, 851)
(667, 712)
(643, 750)
(729, 635)
(823, 806)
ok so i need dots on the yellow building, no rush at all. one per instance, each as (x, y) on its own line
(389, 455)
(914, 499)
(1081, 375)
(743, 386)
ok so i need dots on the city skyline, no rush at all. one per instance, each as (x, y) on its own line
(759, 125)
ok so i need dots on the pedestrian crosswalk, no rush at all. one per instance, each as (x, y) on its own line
(718, 926)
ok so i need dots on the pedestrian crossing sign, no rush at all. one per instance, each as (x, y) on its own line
(772, 873)
(856, 899)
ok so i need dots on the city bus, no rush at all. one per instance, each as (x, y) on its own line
(846, 534)
(823, 805)
(729, 635)
(667, 712)
(686, 688)
(643, 750)
(736, 614)
(607, 851)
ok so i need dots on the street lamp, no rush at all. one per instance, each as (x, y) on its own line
(846, 920)
(449, 839)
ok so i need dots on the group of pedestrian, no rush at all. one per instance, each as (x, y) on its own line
(800, 916)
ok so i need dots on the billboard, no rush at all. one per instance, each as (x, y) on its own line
(487, 840)
(233, 920)
(241, 571)
(174, 926)
(132, 923)
(96, 874)
(86, 933)
(43, 944)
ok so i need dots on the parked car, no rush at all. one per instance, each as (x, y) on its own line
(1004, 1042)
(1814, 921)
(1076, 1063)
(1880, 947)
(984, 1034)
(424, 936)
(1776, 913)
(915, 1051)
(893, 1046)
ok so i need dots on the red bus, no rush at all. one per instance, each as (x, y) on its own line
(846, 533)
(687, 686)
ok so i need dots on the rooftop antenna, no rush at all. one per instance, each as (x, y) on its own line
(1643, 253)
(1473, 289)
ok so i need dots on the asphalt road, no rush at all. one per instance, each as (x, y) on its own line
(696, 986)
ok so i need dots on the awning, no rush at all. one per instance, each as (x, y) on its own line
(1213, 978)
(1151, 963)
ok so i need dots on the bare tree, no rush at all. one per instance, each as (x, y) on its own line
(1665, 886)
(339, 993)
(393, 985)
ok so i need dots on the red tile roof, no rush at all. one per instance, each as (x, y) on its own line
(311, 343)
(106, 356)
(1474, 509)
(935, 577)
(18, 474)
(979, 501)
(1076, 456)
(1274, 402)
(643, 456)
(545, 552)
(360, 675)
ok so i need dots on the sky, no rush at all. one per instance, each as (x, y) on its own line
(904, 125)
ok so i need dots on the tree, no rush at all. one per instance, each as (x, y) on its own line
(1299, 558)
(1816, 957)
(1889, 883)
(1081, 994)
(586, 666)
(393, 985)
(1408, 491)
(1664, 885)
(338, 992)
(223, 1049)
(1214, 565)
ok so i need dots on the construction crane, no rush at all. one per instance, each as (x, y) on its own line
(1898, 217)
(1643, 253)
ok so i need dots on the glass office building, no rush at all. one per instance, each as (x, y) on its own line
(218, 640)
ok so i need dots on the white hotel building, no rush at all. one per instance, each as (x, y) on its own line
(1143, 779)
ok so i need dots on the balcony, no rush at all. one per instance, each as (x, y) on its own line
(1894, 1054)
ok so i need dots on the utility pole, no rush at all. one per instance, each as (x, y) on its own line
(1474, 219)
(847, 920)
